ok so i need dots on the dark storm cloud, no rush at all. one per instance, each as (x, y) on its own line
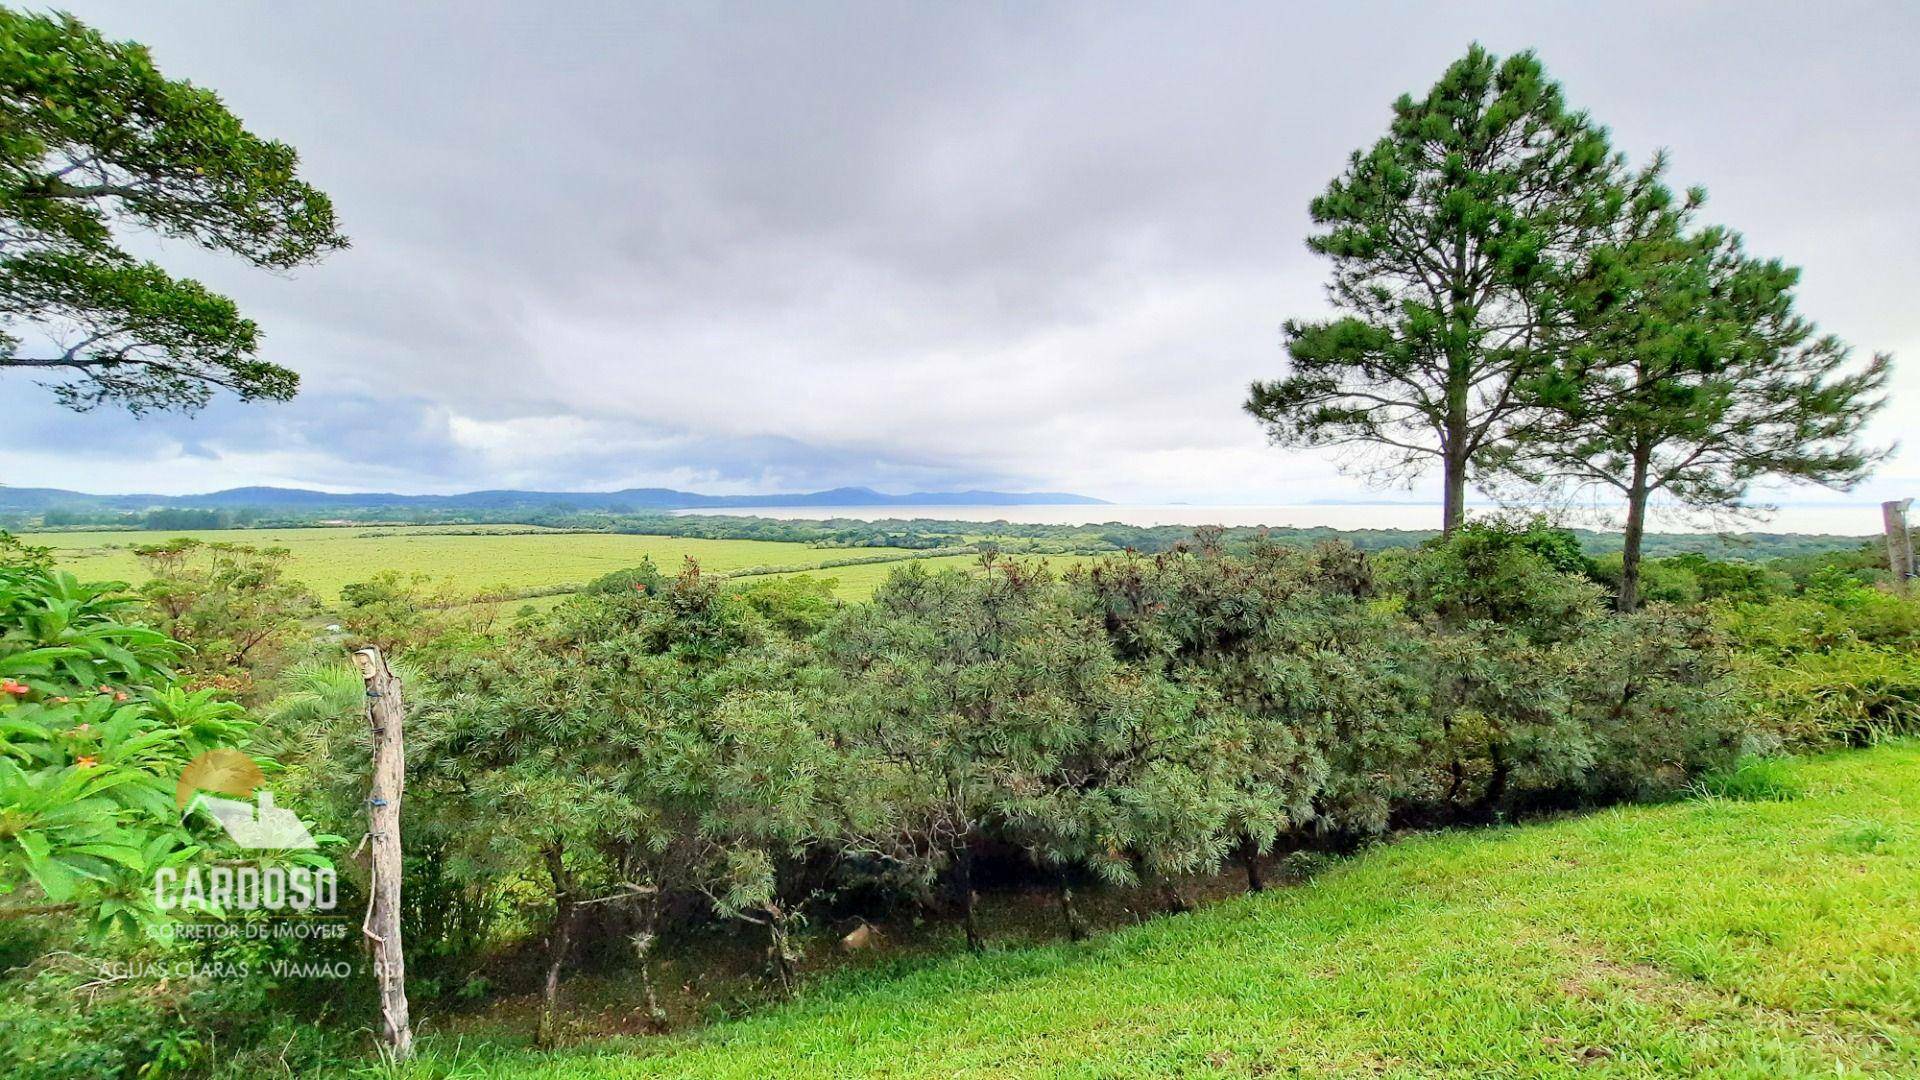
(911, 245)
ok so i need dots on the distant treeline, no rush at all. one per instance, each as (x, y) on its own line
(913, 533)
(165, 519)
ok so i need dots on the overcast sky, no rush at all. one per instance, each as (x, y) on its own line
(915, 246)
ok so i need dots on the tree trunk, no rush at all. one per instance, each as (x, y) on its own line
(1454, 480)
(1454, 449)
(643, 940)
(558, 942)
(1250, 858)
(386, 712)
(1637, 495)
(1496, 793)
(780, 947)
(964, 892)
(1076, 926)
(1172, 900)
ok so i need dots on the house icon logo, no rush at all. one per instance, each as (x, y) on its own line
(219, 782)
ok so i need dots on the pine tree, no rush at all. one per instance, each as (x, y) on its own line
(1449, 240)
(1689, 375)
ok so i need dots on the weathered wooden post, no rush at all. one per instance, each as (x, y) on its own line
(386, 712)
(1893, 514)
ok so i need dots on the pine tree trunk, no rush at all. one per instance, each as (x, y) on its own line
(558, 943)
(1455, 481)
(643, 941)
(1637, 495)
(1453, 436)
(1250, 858)
(1076, 926)
(780, 947)
(964, 892)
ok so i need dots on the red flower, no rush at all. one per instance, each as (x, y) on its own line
(9, 686)
(86, 761)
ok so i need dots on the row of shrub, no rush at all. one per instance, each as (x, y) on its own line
(672, 747)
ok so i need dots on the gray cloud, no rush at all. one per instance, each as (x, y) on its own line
(738, 247)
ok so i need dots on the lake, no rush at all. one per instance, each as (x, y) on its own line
(1841, 520)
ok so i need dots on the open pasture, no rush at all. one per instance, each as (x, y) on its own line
(468, 558)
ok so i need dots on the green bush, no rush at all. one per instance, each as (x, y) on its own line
(168, 1012)
(1662, 581)
(1731, 580)
(1655, 694)
(1838, 664)
(1843, 696)
(93, 736)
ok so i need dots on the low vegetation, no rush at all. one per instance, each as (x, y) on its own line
(671, 763)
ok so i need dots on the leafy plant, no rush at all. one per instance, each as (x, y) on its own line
(93, 736)
(1751, 779)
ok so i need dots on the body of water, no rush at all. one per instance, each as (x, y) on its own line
(1861, 520)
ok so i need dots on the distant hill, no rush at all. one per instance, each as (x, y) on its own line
(630, 500)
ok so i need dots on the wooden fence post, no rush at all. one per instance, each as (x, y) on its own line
(1893, 514)
(386, 711)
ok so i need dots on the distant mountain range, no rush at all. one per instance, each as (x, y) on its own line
(630, 500)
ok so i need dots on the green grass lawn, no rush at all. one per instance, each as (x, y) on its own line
(327, 558)
(1710, 937)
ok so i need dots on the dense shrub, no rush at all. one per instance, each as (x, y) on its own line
(1540, 695)
(1839, 663)
(1655, 693)
(1321, 678)
(1662, 581)
(1730, 580)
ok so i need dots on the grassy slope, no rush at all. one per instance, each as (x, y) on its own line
(1699, 938)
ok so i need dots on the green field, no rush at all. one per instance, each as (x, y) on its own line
(1701, 938)
(512, 557)
(858, 582)
(480, 559)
